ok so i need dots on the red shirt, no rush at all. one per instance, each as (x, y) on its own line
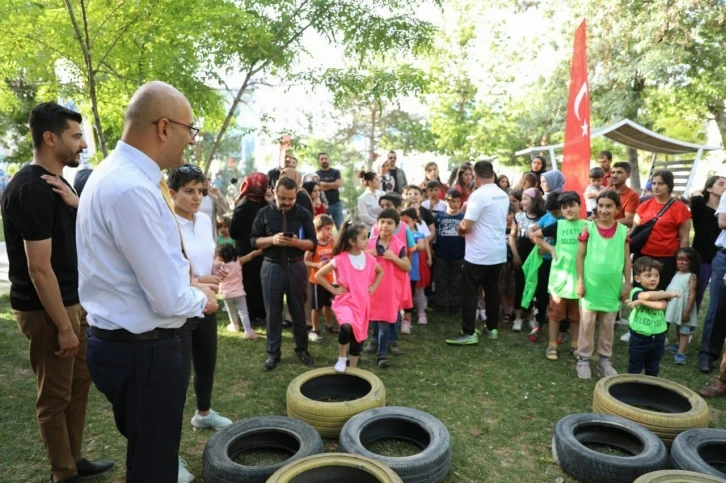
(629, 201)
(663, 240)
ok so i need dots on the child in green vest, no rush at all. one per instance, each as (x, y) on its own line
(563, 302)
(648, 325)
(603, 280)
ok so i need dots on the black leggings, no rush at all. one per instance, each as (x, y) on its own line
(346, 336)
(199, 344)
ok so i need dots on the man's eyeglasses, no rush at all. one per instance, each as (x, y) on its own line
(193, 130)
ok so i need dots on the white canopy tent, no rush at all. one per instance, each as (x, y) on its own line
(633, 135)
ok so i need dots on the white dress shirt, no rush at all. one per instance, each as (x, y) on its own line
(132, 273)
(198, 243)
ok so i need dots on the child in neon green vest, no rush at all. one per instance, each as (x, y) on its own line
(648, 326)
(603, 280)
(562, 284)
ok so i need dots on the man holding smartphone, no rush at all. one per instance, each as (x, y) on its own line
(284, 231)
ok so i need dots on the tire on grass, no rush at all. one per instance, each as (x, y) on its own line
(309, 397)
(335, 468)
(699, 450)
(264, 432)
(431, 465)
(572, 433)
(678, 476)
(662, 406)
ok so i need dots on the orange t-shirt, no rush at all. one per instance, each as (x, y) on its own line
(629, 201)
(323, 253)
(663, 240)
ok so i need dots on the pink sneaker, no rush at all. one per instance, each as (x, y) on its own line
(422, 320)
(406, 327)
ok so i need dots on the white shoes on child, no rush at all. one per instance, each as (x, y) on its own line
(517, 325)
(341, 364)
(406, 327)
(232, 328)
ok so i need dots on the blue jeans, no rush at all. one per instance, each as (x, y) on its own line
(335, 211)
(703, 284)
(645, 352)
(714, 327)
(382, 332)
(394, 330)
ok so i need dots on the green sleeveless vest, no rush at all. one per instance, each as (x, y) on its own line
(563, 276)
(603, 270)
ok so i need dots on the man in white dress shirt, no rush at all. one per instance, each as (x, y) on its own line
(135, 281)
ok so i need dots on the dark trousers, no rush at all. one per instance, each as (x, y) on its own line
(144, 381)
(714, 327)
(383, 333)
(199, 345)
(473, 277)
(448, 281)
(278, 281)
(542, 298)
(645, 352)
(346, 336)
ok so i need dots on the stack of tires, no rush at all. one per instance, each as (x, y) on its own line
(641, 416)
(323, 403)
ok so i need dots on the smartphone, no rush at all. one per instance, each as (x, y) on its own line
(288, 234)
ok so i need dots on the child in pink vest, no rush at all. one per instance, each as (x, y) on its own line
(355, 273)
(392, 255)
(231, 288)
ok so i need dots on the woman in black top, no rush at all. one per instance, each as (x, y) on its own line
(251, 199)
(705, 227)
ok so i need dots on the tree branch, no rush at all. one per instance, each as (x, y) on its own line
(100, 27)
(118, 37)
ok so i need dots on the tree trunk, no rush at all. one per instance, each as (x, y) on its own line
(90, 73)
(635, 174)
(718, 109)
(372, 138)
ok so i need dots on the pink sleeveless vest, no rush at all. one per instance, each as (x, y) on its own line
(354, 306)
(390, 291)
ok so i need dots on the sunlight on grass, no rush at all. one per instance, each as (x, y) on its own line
(478, 392)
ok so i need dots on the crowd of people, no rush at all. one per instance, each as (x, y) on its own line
(116, 282)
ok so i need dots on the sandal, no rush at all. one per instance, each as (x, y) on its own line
(562, 337)
(534, 334)
(551, 353)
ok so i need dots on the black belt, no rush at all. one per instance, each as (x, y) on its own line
(122, 334)
(289, 260)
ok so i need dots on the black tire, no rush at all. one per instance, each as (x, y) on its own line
(571, 433)
(265, 432)
(431, 465)
(699, 449)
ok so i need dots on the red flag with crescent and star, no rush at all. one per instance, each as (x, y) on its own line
(576, 155)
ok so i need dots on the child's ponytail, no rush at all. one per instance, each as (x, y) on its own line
(349, 231)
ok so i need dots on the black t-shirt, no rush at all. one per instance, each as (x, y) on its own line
(303, 199)
(426, 216)
(705, 226)
(32, 211)
(550, 231)
(330, 176)
(79, 182)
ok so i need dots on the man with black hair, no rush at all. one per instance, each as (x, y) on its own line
(330, 184)
(284, 231)
(605, 158)
(484, 227)
(39, 214)
(397, 174)
(629, 200)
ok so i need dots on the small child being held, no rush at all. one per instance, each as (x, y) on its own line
(322, 299)
(358, 276)
(648, 326)
(231, 288)
(682, 311)
(594, 189)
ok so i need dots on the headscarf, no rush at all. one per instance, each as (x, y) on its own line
(555, 180)
(311, 177)
(253, 187)
(308, 186)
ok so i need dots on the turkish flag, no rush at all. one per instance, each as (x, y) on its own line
(576, 155)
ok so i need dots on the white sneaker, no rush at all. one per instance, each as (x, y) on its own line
(483, 314)
(532, 324)
(517, 325)
(315, 337)
(232, 328)
(625, 337)
(183, 475)
(340, 365)
(406, 327)
(212, 420)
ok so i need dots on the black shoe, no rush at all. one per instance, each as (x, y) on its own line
(271, 363)
(705, 366)
(91, 468)
(286, 324)
(306, 358)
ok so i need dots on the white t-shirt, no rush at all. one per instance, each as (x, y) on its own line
(198, 243)
(358, 261)
(439, 206)
(487, 207)
(721, 240)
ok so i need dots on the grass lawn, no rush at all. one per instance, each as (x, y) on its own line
(500, 399)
